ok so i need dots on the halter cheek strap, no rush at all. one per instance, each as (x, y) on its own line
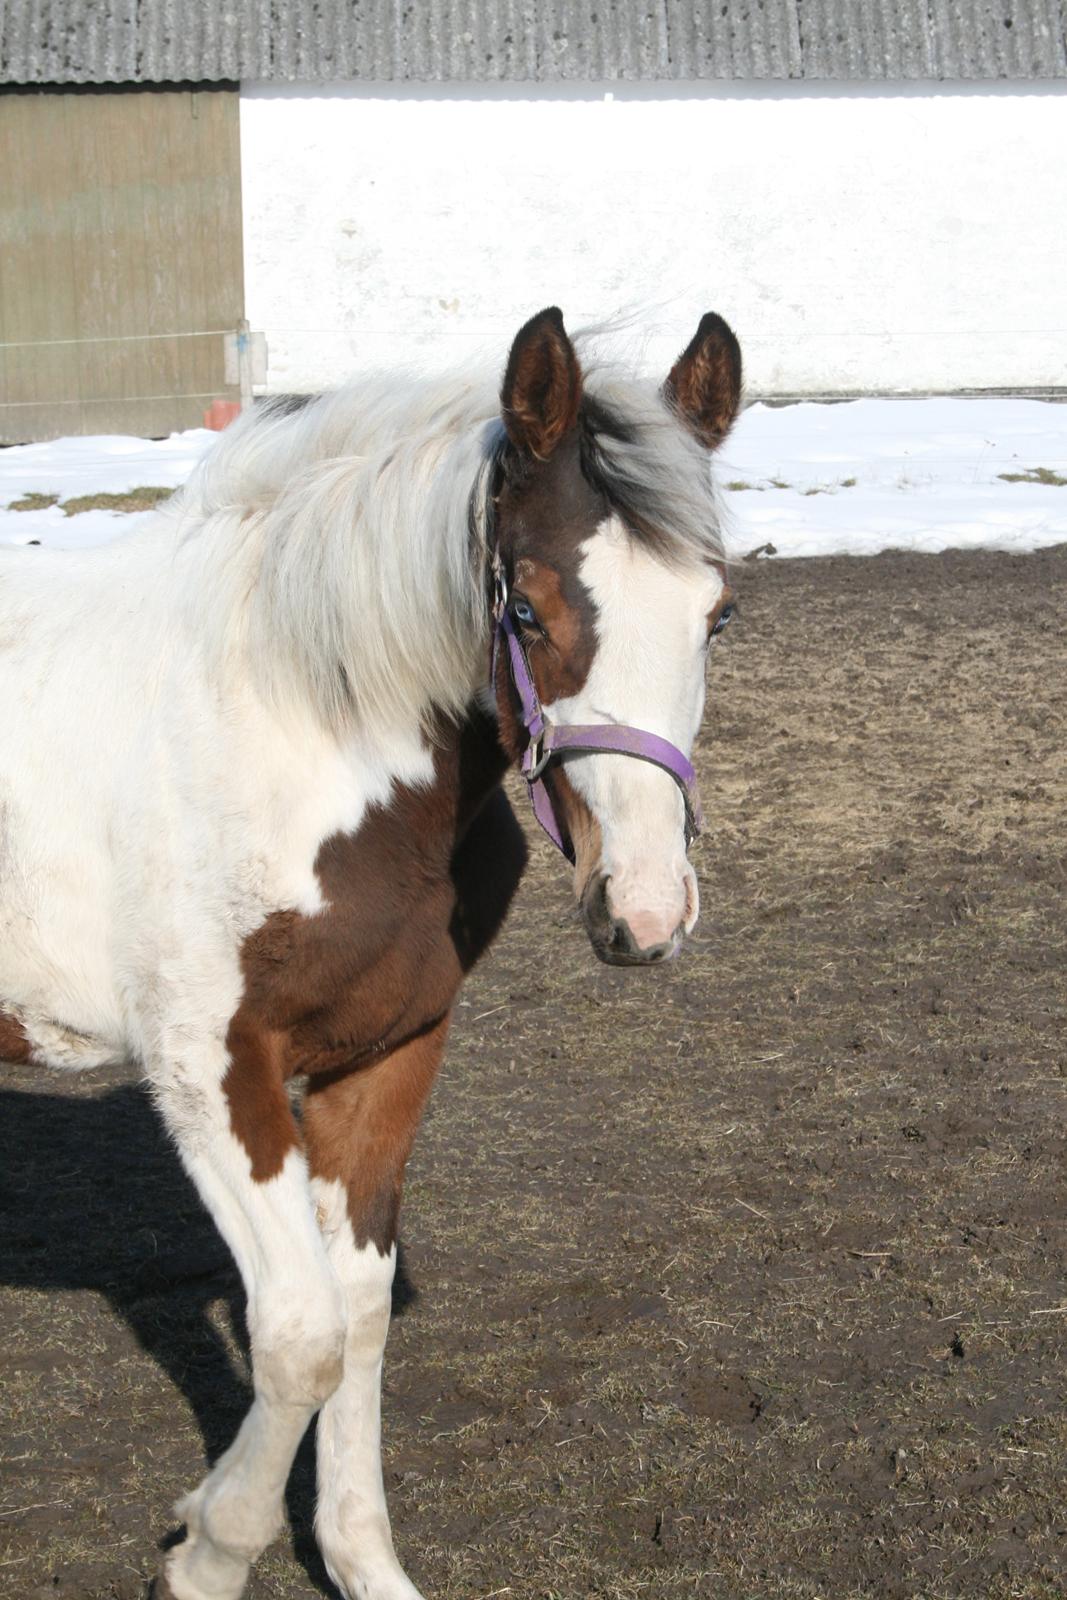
(546, 743)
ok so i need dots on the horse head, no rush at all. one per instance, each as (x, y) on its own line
(610, 582)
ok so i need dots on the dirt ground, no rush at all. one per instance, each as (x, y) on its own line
(742, 1278)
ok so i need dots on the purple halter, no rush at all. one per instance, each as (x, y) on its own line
(545, 741)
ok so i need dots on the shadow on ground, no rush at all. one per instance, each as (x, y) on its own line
(93, 1199)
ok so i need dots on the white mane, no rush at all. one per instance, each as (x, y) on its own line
(333, 543)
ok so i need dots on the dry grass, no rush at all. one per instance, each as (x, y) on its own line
(1044, 475)
(34, 502)
(739, 484)
(143, 499)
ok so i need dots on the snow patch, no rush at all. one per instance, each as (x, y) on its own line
(100, 464)
(927, 477)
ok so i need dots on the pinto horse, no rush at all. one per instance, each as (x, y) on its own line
(252, 824)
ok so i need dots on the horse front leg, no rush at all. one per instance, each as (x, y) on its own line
(230, 1116)
(359, 1129)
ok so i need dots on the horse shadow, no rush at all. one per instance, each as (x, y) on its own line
(93, 1197)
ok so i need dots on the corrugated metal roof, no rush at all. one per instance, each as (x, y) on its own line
(999, 38)
(490, 41)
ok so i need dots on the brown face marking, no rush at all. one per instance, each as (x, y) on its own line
(727, 598)
(545, 513)
(410, 908)
(582, 827)
(560, 663)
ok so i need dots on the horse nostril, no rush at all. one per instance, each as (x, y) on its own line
(624, 944)
(622, 940)
(598, 918)
(654, 953)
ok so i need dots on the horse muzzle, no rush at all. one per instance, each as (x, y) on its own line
(613, 938)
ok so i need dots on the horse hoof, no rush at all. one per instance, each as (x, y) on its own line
(196, 1569)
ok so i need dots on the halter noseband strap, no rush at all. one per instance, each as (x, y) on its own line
(546, 742)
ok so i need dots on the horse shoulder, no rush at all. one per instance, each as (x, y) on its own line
(411, 899)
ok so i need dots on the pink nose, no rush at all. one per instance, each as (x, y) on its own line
(650, 929)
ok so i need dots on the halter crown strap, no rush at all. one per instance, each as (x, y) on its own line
(546, 743)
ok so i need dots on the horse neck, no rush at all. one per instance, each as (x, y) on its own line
(358, 591)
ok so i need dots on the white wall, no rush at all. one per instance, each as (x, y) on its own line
(856, 236)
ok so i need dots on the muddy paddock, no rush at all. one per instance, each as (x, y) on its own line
(740, 1278)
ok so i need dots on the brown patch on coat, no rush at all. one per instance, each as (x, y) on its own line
(359, 1127)
(254, 1086)
(413, 899)
(14, 1045)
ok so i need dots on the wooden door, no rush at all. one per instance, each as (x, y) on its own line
(120, 258)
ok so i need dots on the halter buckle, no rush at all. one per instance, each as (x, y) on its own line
(535, 758)
(500, 587)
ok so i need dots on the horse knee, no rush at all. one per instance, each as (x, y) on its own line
(301, 1363)
(368, 1329)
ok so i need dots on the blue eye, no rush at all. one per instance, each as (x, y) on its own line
(524, 612)
(724, 617)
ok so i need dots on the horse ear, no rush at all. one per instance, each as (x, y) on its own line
(704, 385)
(542, 385)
